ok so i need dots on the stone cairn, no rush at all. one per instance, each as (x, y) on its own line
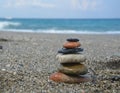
(72, 69)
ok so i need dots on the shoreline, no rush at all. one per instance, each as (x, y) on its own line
(28, 59)
(59, 32)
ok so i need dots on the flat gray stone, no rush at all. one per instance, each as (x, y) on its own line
(70, 58)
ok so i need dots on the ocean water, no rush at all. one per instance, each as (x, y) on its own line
(76, 26)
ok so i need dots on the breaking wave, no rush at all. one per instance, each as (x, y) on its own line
(52, 31)
(5, 24)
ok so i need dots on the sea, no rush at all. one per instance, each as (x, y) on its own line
(66, 26)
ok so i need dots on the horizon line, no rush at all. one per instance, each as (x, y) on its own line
(50, 18)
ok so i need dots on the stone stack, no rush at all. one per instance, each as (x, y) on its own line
(72, 69)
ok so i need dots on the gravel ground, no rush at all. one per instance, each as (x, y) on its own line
(28, 59)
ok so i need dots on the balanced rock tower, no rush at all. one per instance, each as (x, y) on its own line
(71, 59)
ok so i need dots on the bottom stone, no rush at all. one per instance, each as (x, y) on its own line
(61, 77)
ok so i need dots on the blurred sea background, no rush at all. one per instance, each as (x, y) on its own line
(76, 26)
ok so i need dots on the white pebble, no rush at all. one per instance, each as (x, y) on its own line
(3, 69)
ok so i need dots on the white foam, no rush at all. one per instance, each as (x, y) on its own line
(52, 31)
(76, 32)
(7, 23)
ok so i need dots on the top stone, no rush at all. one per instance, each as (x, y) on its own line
(70, 45)
(72, 39)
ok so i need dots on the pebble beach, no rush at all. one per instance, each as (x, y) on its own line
(28, 59)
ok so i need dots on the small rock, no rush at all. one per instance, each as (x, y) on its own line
(3, 69)
(71, 45)
(115, 78)
(14, 73)
(3, 39)
(21, 65)
(61, 77)
(8, 65)
(1, 47)
(70, 58)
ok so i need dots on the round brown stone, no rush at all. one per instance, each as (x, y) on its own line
(71, 44)
(73, 69)
(61, 77)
